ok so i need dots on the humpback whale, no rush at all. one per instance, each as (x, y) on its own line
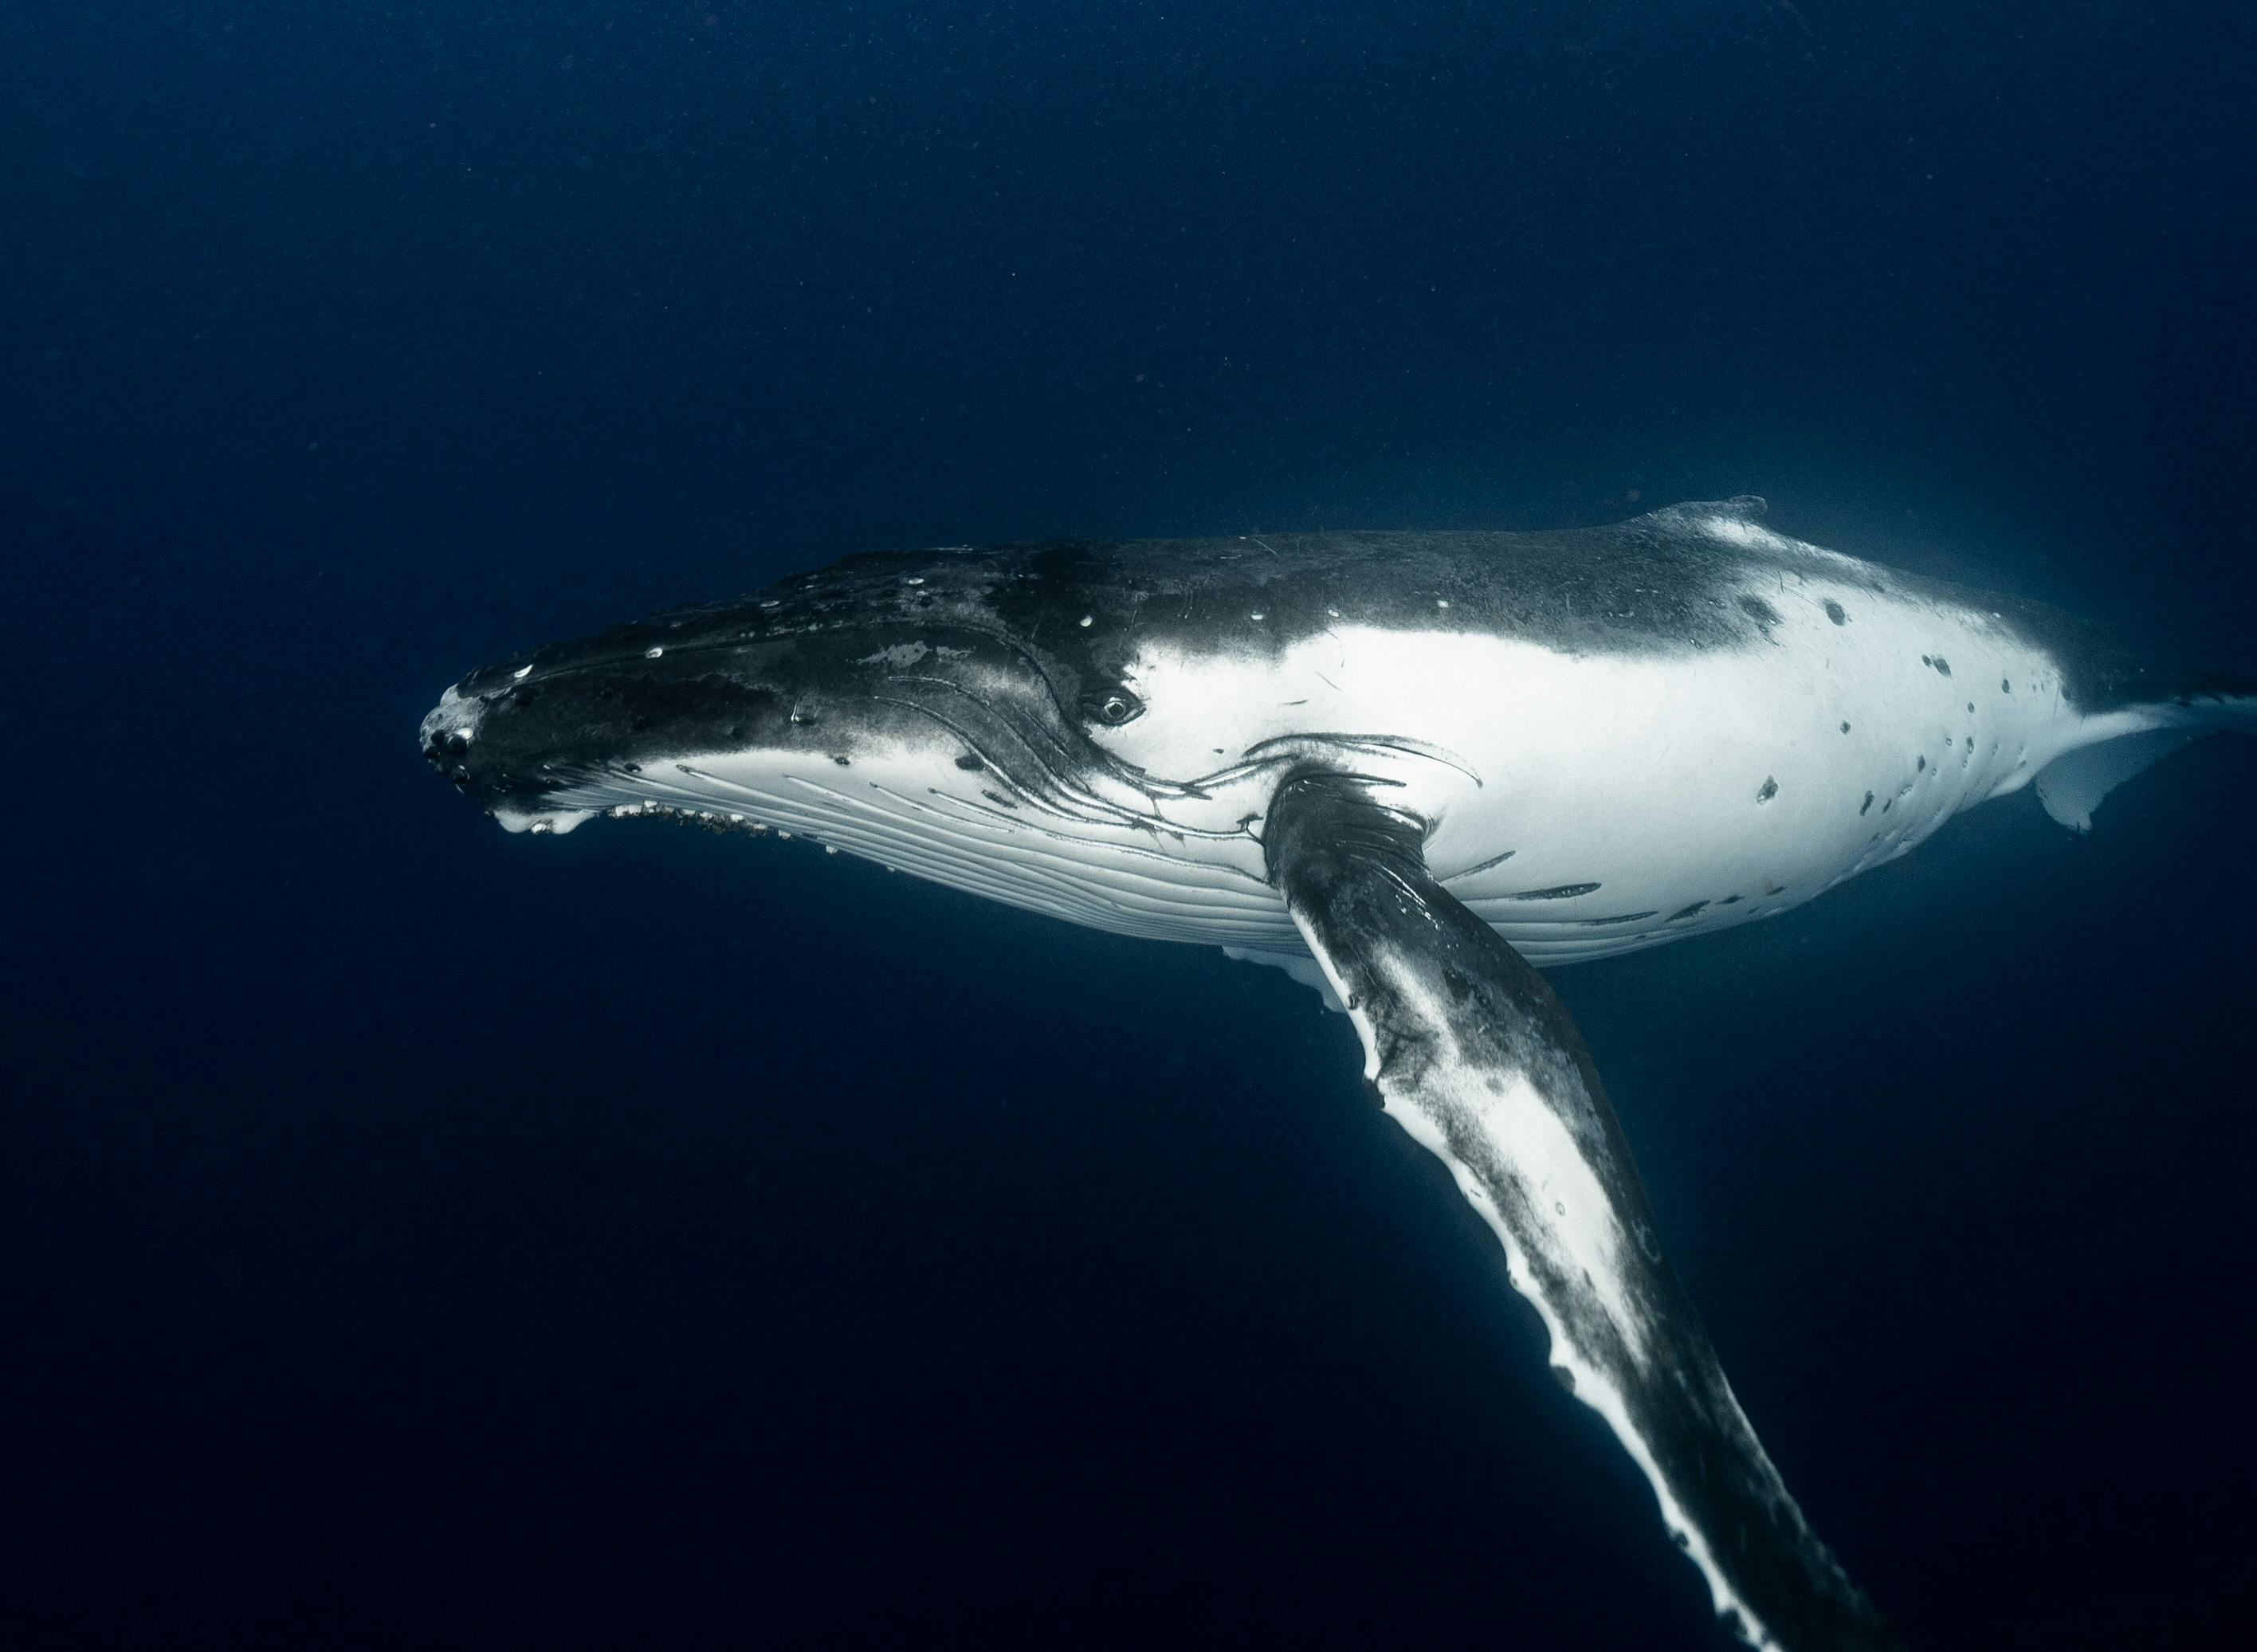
(1413, 769)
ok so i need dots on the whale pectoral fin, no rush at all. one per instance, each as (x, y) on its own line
(1476, 1058)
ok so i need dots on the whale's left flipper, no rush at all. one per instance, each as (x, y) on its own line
(1476, 1059)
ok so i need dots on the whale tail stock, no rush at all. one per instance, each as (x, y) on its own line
(2168, 712)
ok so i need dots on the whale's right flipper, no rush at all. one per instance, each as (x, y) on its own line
(1475, 1057)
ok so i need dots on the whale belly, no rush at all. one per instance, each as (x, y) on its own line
(1626, 801)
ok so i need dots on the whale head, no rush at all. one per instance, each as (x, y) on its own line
(974, 717)
(898, 659)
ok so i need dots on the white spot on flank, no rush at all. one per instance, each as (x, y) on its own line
(901, 653)
(1087, 620)
(521, 674)
(1441, 601)
(914, 580)
(1255, 616)
(651, 653)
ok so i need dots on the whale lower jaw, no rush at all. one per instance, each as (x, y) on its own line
(1129, 881)
(1126, 879)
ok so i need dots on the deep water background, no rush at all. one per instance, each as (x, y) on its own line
(411, 1235)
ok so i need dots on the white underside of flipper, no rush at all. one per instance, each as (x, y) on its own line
(1474, 1057)
(1543, 1156)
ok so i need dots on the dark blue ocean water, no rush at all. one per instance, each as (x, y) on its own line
(412, 1235)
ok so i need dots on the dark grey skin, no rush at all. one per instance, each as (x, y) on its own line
(1004, 684)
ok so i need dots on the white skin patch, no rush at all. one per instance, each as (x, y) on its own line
(900, 656)
(1668, 780)
(909, 806)
(1535, 1148)
(544, 822)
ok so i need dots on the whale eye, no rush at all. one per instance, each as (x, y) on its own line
(1114, 706)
